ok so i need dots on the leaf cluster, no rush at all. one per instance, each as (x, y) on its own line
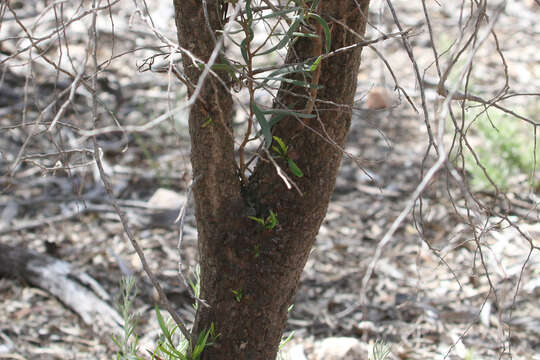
(269, 223)
(183, 349)
(281, 150)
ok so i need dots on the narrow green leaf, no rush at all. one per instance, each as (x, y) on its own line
(258, 220)
(207, 122)
(279, 114)
(265, 126)
(285, 40)
(300, 83)
(271, 220)
(314, 5)
(286, 70)
(315, 64)
(276, 118)
(173, 353)
(279, 13)
(282, 145)
(163, 325)
(294, 168)
(179, 354)
(243, 50)
(284, 342)
(201, 344)
(277, 150)
(226, 67)
(326, 30)
(306, 35)
(286, 112)
(249, 12)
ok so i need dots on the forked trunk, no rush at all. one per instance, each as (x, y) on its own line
(249, 275)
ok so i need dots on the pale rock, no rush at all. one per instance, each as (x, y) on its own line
(296, 352)
(166, 199)
(379, 98)
(341, 348)
(164, 208)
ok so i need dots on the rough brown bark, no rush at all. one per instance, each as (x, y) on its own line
(236, 254)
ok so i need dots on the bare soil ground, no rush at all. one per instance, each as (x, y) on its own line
(437, 291)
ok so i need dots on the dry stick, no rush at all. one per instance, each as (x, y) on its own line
(362, 43)
(286, 179)
(108, 189)
(429, 175)
(443, 91)
(409, 50)
(194, 96)
(56, 32)
(369, 43)
(74, 86)
(77, 78)
(316, 52)
(31, 224)
(211, 62)
(180, 219)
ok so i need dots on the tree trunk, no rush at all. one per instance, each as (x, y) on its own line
(249, 275)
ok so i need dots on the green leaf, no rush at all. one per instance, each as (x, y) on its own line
(201, 344)
(284, 342)
(282, 145)
(277, 149)
(271, 220)
(294, 168)
(315, 64)
(163, 325)
(223, 67)
(265, 126)
(287, 112)
(256, 219)
(286, 70)
(279, 13)
(243, 50)
(300, 83)
(166, 351)
(207, 122)
(237, 295)
(249, 12)
(275, 119)
(326, 30)
(285, 40)
(306, 35)
(314, 5)
(173, 353)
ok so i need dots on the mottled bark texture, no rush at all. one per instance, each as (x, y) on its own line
(237, 254)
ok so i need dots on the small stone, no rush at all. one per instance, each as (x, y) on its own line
(166, 199)
(297, 353)
(379, 98)
(341, 348)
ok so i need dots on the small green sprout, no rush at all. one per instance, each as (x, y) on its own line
(237, 295)
(281, 150)
(315, 64)
(269, 223)
(381, 350)
(294, 168)
(207, 122)
(175, 346)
